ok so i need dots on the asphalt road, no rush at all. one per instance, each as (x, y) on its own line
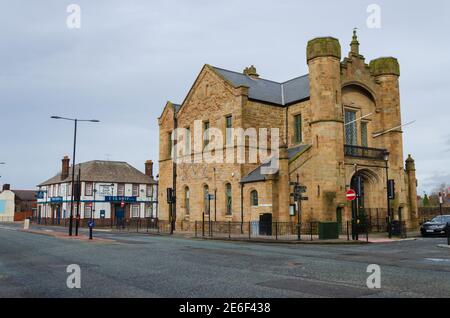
(34, 265)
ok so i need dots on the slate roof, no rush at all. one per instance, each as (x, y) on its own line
(25, 195)
(104, 171)
(256, 175)
(260, 89)
(176, 107)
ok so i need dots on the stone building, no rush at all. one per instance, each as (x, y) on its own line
(110, 190)
(336, 125)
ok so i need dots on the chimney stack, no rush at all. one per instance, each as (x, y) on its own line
(65, 167)
(6, 187)
(149, 168)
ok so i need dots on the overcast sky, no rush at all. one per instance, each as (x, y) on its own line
(130, 57)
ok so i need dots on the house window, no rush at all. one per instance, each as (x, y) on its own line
(135, 210)
(351, 132)
(228, 198)
(88, 189)
(135, 190)
(186, 199)
(229, 126)
(148, 210)
(88, 211)
(149, 190)
(205, 199)
(298, 129)
(364, 141)
(254, 198)
(121, 190)
(169, 144)
(205, 133)
(187, 144)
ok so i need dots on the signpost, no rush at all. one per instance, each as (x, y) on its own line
(171, 201)
(351, 195)
(298, 192)
(91, 225)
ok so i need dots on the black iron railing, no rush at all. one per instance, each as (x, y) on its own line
(364, 152)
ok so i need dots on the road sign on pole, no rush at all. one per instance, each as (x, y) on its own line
(351, 195)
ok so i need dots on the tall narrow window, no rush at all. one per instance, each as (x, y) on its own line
(121, 190)
(254, 198)
(228, 127)
(148, 210)
(135, 210)
(169, 144)
(205, 199)
(187, 144)
(364, 141)
(149, 190)
(228, 198)
(298, 129)
(88, 211)
(351, 132)
(135, 190)
(88, 189)
(205, 133)
(186, 200)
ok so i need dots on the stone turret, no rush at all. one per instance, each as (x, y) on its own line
(387, 71)
(412, 186)
(354, 44)
(323, 57)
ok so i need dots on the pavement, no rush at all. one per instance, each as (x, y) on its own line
(34, 264)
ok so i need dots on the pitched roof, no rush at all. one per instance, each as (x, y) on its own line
(104, 171)
(257, 175)
(25, 195)
(282, 94)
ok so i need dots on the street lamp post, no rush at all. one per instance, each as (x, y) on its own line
(386, 160)
(75, 120)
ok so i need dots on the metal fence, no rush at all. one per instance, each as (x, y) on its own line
(254, 230)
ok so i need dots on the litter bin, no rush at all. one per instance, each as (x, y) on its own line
(396, 228)
(328, 231)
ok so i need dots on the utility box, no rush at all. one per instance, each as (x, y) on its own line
(328, 231)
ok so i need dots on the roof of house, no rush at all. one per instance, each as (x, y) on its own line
(104, 171)
(264, 90)
(25, 195)
(257, 175)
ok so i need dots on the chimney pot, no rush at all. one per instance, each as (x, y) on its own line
(149, 168)
(65, 167)
(6, 187)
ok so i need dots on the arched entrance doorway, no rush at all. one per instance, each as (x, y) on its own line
(368, 187)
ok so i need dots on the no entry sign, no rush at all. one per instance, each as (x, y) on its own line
(350, 195)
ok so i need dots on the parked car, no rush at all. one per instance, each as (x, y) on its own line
(437, 226)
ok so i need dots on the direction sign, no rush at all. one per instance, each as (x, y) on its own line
(351, 195)
(91, 224)
(300, 189)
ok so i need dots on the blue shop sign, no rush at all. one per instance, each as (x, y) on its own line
(56, 200)
(120, 199)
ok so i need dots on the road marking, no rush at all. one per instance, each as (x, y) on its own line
(438, 260)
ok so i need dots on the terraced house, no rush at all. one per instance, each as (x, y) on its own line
(339, 128)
